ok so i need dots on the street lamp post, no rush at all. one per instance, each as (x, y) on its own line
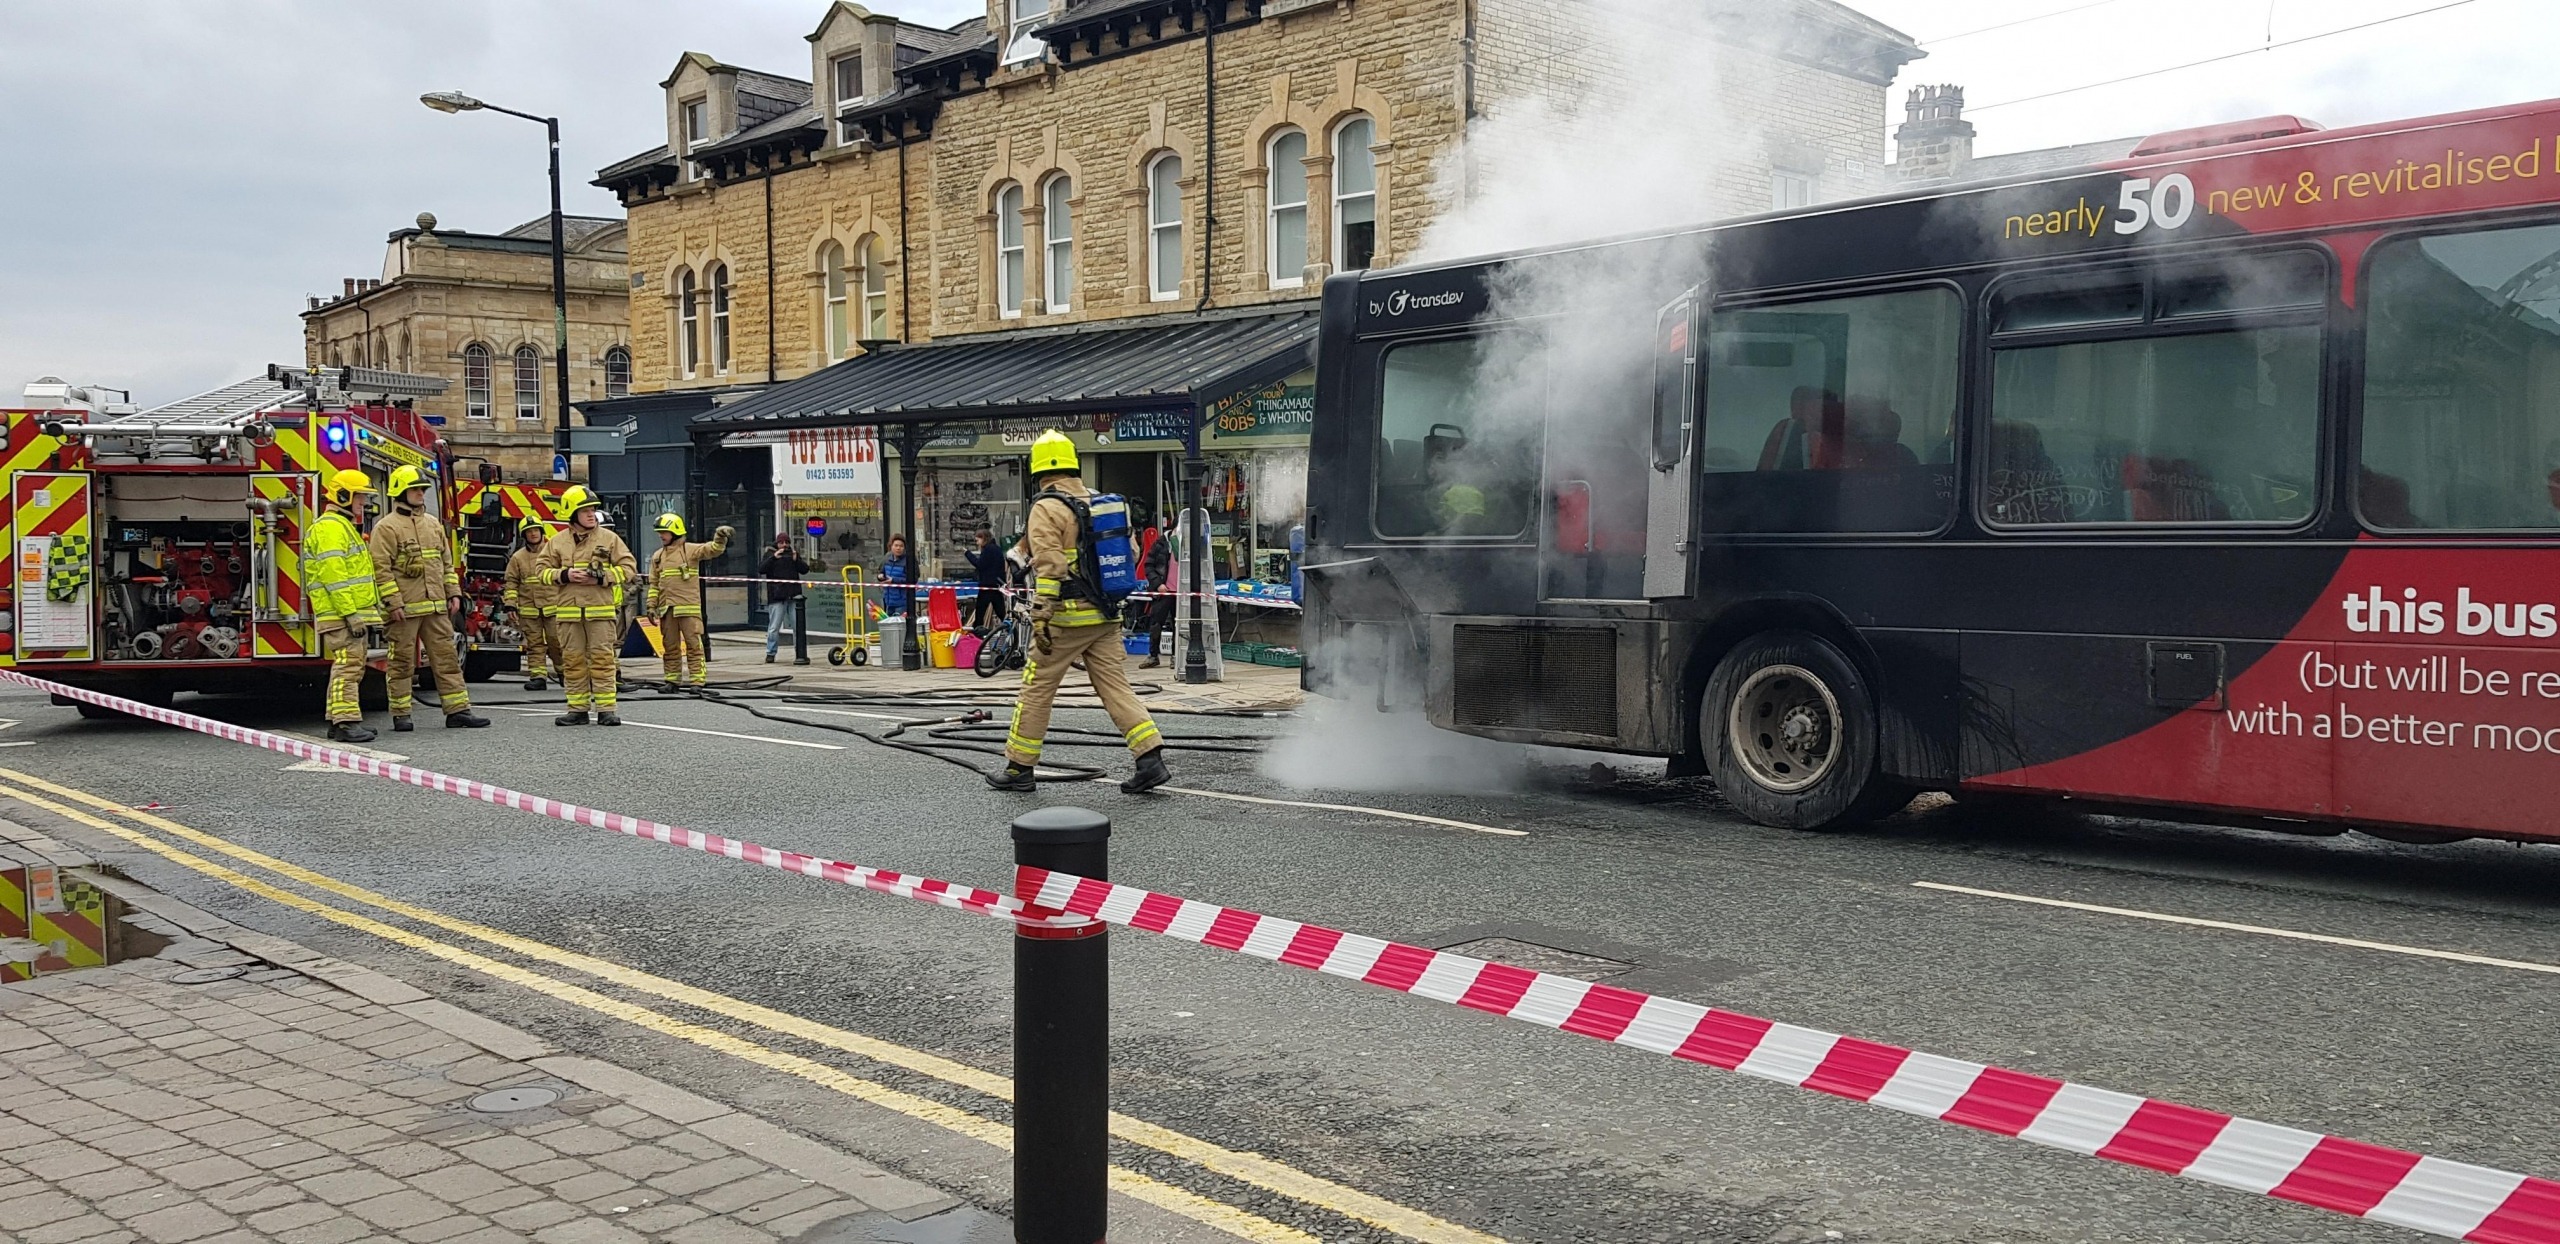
(456, 101)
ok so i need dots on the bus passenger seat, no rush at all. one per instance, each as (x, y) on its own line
(1875, 437)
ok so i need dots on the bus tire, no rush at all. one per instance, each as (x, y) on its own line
(1789, 728)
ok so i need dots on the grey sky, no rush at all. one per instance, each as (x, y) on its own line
(182, 174)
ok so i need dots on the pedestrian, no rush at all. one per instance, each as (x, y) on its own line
(988, 561)
(532, 599)
(782, 570)
(675, 599)
(1156, 565)
(338, 580)
(897, 568)
(589, 565)
(413, 570)
(1073, 618)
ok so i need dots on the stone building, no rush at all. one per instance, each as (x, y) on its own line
(1934, 145)
(476, 310)
(1087, 213)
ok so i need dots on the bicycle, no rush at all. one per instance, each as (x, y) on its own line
(1002, 646)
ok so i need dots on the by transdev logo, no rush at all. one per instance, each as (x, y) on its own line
(1401, 301)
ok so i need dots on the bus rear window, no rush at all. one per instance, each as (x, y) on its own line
(2462, 382)
(1458, 428)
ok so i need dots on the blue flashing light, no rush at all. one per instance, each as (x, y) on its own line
(337, 438)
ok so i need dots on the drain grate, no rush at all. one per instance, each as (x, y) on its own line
(1572, 965)
(510, 1101)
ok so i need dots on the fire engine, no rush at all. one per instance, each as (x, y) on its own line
(158, 551)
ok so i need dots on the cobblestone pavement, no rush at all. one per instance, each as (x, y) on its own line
(273, 1106)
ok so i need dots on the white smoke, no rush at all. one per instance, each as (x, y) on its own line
(1608, 136)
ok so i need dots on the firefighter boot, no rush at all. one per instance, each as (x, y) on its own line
(400, 724)
(464, 720)
(574, 717)
(1015, 778)
(350, 732)
(535, 683)
(608, 718)
(1150, 775)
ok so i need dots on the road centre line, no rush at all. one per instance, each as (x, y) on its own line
(722, 734)
(1352, 808)
(1226, 1218)
(2421, 952)
(1244, 1167)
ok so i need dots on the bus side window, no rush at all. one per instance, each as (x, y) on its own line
(1459, 423)
(1833, 416)
(2180, 396)
(2461, 412)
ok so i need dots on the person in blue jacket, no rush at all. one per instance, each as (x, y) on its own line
(899, 568)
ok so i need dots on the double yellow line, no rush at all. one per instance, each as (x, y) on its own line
(1248, 1168)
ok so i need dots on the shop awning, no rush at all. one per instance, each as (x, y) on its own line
(1165, 362)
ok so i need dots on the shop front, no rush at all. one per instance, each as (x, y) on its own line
(1209, 412)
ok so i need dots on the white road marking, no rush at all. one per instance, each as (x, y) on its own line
(1354, 809)
(2421, 952)
(322, 766)
(21, 742)
(722, 734)
(846, 712)
(6, 722)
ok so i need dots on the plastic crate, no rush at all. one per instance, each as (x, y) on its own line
(1283, 658)
(1138, 645)
(1244, 652)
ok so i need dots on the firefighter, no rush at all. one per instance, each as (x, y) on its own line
(413, 567)
(337, 575)
(1072, 620)
(589, 566)
(675, 598)
(532, 599)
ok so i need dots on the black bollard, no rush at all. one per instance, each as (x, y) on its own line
(800, 630)
(1061, 1044)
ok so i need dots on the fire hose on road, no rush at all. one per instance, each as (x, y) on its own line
(2433, 1195)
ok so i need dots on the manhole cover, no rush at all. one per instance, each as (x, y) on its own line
(207, 976)
(1572, 965)
(509, 1101)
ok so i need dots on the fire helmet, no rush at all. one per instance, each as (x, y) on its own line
(671, 524)
(1053, 452)
(404, 480)
(578, 498)
(345, 486)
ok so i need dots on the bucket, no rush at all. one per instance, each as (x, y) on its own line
(965, 652)
(941, 643)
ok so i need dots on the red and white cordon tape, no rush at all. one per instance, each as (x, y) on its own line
(2429, 1194)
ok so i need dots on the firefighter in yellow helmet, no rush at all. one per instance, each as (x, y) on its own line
(1072, 621)
(589, 565)
(675, 599)
(533, 600)
(413, 567)
(338, 578)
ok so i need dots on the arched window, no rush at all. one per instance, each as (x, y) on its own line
(1164, 228)
(1355, 195)
(839, 306)
(1058, 268)
(720, 319)
(617, 372)
(1009, 251)
(875, 290)
(528, 382)
(689, 323)
(475, 381)
(1288, 242)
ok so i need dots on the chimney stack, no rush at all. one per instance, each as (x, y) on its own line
(350, 290)
(1934, 141)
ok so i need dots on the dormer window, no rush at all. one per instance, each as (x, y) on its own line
(1026, 45)
(695, 122)
(847, 72)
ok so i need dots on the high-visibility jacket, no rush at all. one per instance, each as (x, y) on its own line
(675, 575)
(525, 591)
(599, 552)
(413, 563)
(337, 574)
(1056, 541)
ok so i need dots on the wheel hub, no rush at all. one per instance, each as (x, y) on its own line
(1785, 728)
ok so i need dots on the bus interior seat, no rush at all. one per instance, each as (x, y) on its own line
(1875, 437)
(2160, 490)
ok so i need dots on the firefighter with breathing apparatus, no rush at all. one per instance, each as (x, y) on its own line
(1074, 617)
(589, 566)
(338, 576)
(533, 601)
(413, 568)
(675, 599)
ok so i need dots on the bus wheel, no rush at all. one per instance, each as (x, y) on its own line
(1791, 735)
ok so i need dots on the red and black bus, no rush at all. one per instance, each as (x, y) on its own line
(2224, 479)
